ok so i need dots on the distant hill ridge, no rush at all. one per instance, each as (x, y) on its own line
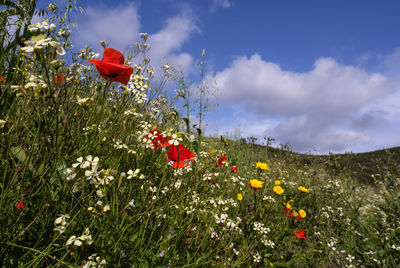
(365, 167)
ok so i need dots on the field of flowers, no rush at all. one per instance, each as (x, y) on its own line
(98, 169)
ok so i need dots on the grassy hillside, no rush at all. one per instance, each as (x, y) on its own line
(98, 169)
(363, 167)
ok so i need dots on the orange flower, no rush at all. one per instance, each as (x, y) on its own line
(180, 157)
(2, 80)
(112, 67)
(301, 234)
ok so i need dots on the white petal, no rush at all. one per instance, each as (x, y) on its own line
(60, 51)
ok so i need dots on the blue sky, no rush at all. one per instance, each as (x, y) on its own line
(320, 75)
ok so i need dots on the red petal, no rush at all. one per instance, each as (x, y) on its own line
(112, 66)
(158, 139)
(222, 160)
(20, 204)
(94, 61)
(113, 56)
(301, 234)
(181, 156)
(114, 72)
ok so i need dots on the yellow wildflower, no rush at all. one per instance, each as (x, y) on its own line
(295, 213)
(277, 182)
(239, 196)
(303, 189)
(261, 165)
(278, 190)
(256, 184)
(302, 213)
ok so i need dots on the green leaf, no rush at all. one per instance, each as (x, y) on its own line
(133, 237)
(19, 153)
(41, 167)
(187, 256)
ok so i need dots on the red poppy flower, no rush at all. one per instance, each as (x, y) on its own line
(112, 67)
(20, 204)
(222, 160)
(2, 80)
(60, 79)
(301, 234)
(288, 212)
(235, 169)
(158, 139)
(180, 157)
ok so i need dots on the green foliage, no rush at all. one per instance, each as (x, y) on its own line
(82, 183)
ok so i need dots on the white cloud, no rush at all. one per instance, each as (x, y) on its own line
(368, 57)
(215, 4)
(392, 64)
(166, 43)
(321, 109)
(119, 26)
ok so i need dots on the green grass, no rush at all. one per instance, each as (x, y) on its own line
(95, 192)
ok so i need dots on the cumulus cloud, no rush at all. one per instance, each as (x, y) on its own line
(166, 43)
(120, 27)
(318, 109)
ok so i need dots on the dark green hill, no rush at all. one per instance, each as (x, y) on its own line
(380, 164)
(365, 167)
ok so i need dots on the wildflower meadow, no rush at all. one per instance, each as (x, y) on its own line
(102, 167)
